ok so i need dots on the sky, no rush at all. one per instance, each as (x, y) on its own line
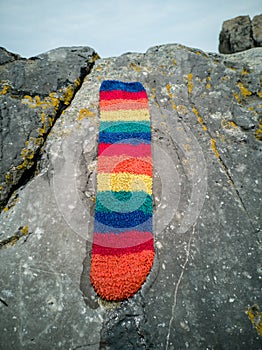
(113, 27)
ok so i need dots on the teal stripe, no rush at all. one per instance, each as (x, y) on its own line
(123, 202)
(129, 126)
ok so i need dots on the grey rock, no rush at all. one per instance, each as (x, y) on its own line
(240, 34)
(236, 35)
(6, 56)
(205, 111)
(33, 93)
(257, 30)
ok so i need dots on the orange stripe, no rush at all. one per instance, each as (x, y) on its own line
(113, 105)
(107, 164)
(120, 277)
(129, 165)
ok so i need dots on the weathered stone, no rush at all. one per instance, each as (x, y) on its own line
(240, 34)
(236, 35)
(33, 93)
(6, 56)
(205, 112)
(257, 30)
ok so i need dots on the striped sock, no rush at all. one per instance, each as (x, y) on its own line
(123, 246)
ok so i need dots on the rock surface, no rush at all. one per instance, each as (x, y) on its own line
(257, 30)
(206, 124)
(240, 34)
(33, 93)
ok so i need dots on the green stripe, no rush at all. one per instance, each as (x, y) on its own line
(123, 202)
(143, 126)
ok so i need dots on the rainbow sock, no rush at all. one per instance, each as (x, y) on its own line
(123, 245)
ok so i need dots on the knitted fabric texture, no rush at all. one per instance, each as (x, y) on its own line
(123, 246)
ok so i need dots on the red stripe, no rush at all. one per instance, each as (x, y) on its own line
(119, 94)
(120, 104)
(117, 149)
(98, 249)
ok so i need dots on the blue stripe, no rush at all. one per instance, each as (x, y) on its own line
(146, 226)
(110, 85)
(122, 219)
(135, 142)
(113, 137)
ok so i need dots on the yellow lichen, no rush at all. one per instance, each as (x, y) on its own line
(53, 100)
(199, 118)
(244, 91)
(237, 97)
(259, 94)
(70, 91)
(201, 54)
(255, 316)
(225, 78)
(5, 90)
(43, 117)
(68, 95)
(153, 93)
(27, 156)
(228, 124)
(171, 96)
(85, 113)
(50, 121)
(12, 241)
(258, 132)
(208, 86)
(27, 153)
(8, 177)
(94, 58)
(24, 230)
(190, 84)
(6, 209)
(214, 148)
(244, 71)
(135, 67)
(174, 62)
(36, 102)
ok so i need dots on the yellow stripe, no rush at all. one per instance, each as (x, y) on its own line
(137, 114)
(124, 182)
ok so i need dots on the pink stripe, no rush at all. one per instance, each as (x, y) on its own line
(102, 250)
(122, 240)
(117, 149)
(119, 94)
(124, 105)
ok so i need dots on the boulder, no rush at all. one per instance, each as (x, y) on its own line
(257, 30)
(236, 35)
(204, 288)
(33, 93)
